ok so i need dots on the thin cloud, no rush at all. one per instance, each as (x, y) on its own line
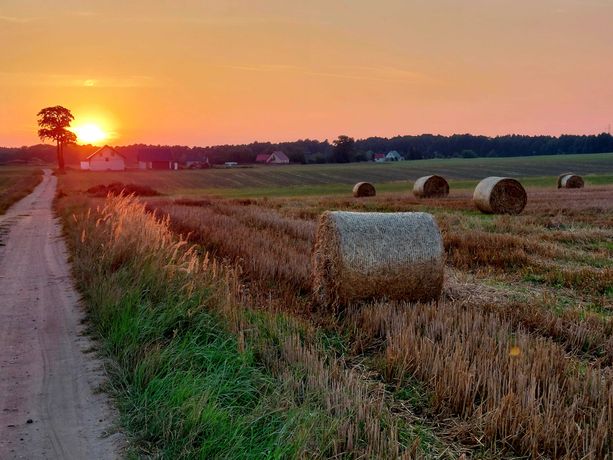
(72, 81)
(17, 20)
(387, 74)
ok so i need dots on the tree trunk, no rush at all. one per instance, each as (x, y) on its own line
(60, 156)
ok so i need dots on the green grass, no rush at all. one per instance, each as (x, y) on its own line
(16, 182)
(184, 386)
(331, 179)
(186, 382)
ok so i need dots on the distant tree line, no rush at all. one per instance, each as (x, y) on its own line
(344, 149)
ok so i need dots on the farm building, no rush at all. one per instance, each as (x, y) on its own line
(275, 158)
(393, 156)
(379, 157)
(104, 159)
(197, 162)
(157, 160)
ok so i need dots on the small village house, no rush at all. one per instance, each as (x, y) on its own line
(275, 158)
(393, 156)
(104, 159)
(379, 158)
(161, 159)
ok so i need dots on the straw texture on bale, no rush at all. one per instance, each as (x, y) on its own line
(363, 189)
(430, 186)
(500, 195)
(570, 180)
(360, 256)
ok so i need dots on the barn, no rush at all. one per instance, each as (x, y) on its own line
(275, 158)
(105, 159)
(152, 159)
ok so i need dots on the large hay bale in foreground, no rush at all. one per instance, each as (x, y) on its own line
(500, 195)
(570, 180)
(364, 189)
(368, 255)
(430, 186)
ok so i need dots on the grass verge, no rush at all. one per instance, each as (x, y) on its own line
(16, 184)
(195, 375)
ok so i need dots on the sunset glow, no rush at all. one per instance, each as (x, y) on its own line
(89, 134)
(216, 72)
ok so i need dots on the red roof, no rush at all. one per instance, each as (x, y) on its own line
(379, 155)
(262, 157)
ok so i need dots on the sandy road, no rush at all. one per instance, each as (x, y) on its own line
(49, 407)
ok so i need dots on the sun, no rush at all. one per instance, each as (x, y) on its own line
(89, 133)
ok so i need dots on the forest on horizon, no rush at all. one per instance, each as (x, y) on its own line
(342, 150)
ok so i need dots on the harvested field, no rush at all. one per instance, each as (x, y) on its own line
(16, 182)
(514, 360)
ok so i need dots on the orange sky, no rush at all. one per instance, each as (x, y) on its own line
(233, 71)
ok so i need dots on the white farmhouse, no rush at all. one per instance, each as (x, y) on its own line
(105, 159)
(393, 156)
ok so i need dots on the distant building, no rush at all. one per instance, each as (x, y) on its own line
(393, 156)
(197, 162)
(275, 158)
(230, 164)
(160, 159)
(379, 158)
(105, 159)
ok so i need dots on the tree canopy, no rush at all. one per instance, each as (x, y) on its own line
(53, 124)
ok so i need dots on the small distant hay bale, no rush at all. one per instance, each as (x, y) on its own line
(362, 189)
(570, 180)
(368, 255)
(500, 195)
(430, 186)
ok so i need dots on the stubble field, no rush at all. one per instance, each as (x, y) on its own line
(203, 305)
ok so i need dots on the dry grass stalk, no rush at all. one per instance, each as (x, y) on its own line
(431, 186)
(361, 424)
(359, 256)
(500, 195)
(268, 251)
(362, 189)
(510, 385)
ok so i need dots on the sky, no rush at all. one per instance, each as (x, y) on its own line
(235, 71)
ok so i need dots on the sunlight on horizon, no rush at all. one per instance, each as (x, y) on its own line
(90, 133)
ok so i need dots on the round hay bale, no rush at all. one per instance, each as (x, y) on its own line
(369, 255)
(362, 189)
(560, 178)
(430, 186)
(570, 181)
(500, 195)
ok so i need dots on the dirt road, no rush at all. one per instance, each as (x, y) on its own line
(49, 407)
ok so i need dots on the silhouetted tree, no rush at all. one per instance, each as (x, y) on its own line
(344, 149)
(53, 124)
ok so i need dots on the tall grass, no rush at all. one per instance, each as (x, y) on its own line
(197, 375)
